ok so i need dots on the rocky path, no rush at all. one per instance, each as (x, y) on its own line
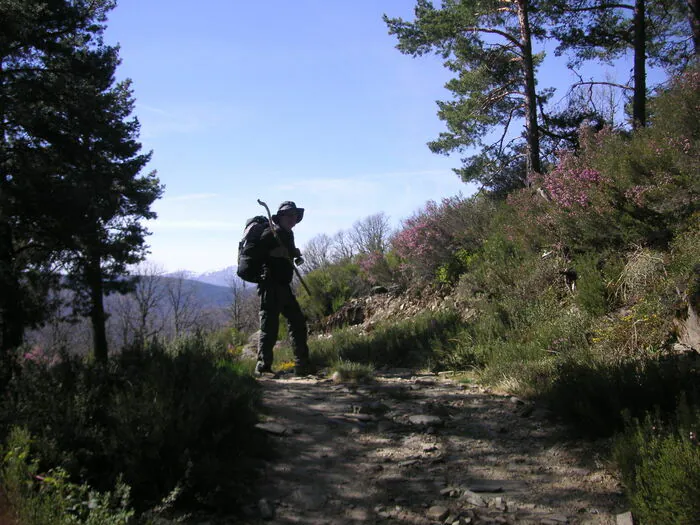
(422, 449)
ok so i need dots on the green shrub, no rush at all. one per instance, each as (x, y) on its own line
(490, 273)
(521, 327)
(331, 286)
(660, 467)
(591, 285)
(380, 269)
(449, 272)
(592, 394)
(39, 499)
(161, 417)
(684, 265)
(640, 332)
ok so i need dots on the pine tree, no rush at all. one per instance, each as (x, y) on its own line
(488, 44)
(654, 33)
(32, 30)
(71, 191)
(109, 198)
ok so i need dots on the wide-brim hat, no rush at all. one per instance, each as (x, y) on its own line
(289, 208)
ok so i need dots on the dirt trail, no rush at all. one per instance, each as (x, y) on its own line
(422, 449)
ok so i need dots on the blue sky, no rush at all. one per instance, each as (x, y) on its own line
(304, 100)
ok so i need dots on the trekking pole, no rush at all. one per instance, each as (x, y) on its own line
(289, 256)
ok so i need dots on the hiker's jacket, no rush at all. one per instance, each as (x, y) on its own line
(279, 270)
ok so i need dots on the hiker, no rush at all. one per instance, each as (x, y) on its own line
(275, 291)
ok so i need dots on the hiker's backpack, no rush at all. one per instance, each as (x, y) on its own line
(250, 267)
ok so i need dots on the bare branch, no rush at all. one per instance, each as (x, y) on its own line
(602, 83)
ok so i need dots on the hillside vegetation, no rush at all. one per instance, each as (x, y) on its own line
(581, 291)
(572, 278)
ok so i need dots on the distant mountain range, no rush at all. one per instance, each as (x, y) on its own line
(221, 277)
(212, 289)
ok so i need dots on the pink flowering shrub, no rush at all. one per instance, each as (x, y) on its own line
(421, 236)
(571, 186)
(378, 268)
(39, 355)
(433, 237)
(596, 197)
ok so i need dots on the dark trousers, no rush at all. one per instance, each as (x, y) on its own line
(276, 299)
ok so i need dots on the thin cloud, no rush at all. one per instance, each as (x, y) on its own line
(343, 186)
(152, 109)
(195, 225)
(343, 183)
(191, 197)
(157, 121)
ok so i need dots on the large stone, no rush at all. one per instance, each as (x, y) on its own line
(426, 420)
(473, 499)
(689, 329)
(273, 428)
(624, 519)
(437, 512)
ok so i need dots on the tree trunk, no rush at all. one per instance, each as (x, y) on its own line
(97, 309)
(532, 128)
(639, 117)
(11, 304)
(11, 326)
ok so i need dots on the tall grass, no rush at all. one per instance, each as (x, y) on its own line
(407, 343)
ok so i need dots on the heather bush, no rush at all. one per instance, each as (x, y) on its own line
(659, 460)
(380, 269)
(38, 498)
(684, 261)
(162, 418)
(593, 289)
(526, 218)
(422, 244)
(619, 190)
(430, 239)
(592, 393)
(653, 173)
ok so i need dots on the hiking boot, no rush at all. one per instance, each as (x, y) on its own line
(261, 369)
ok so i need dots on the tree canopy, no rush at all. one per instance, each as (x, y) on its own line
(71, 194)
(498, 115)
(488, 45)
